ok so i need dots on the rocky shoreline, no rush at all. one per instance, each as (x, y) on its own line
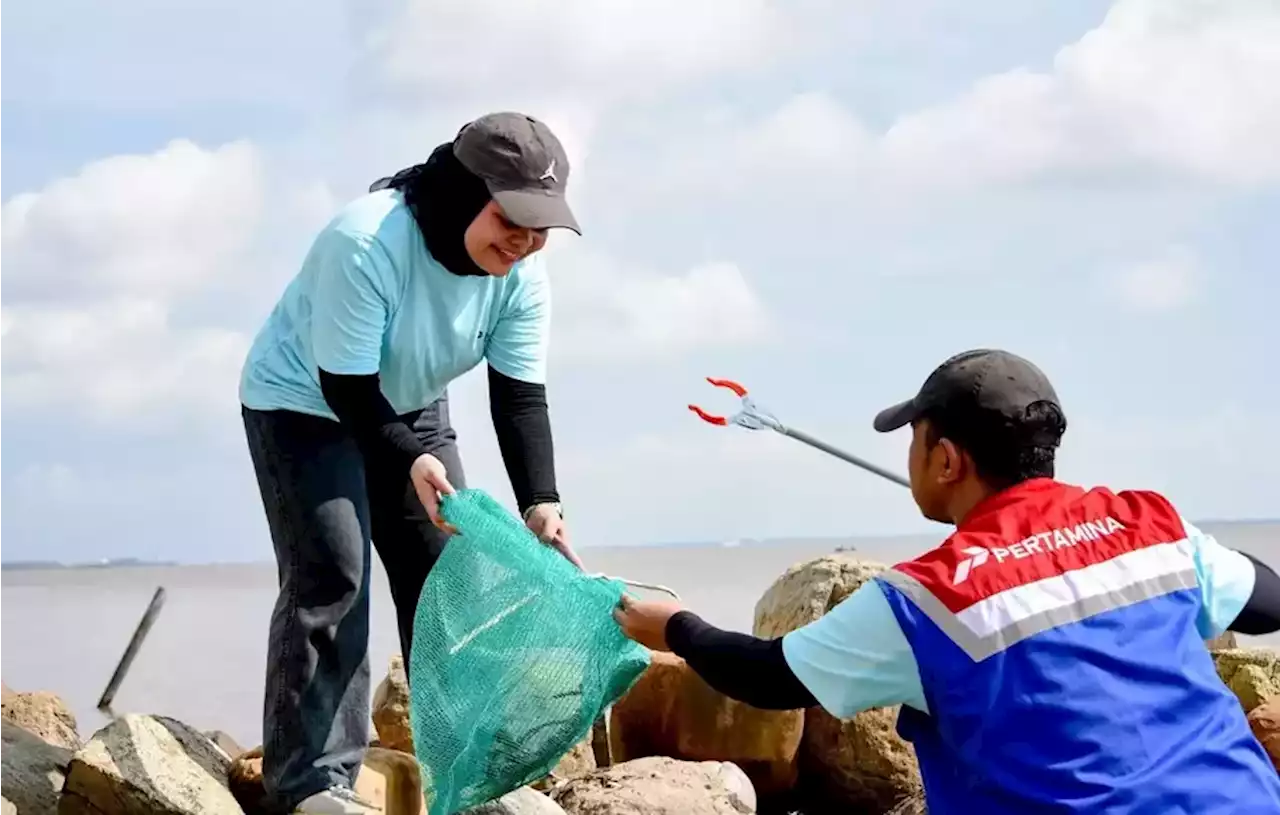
(671, 746)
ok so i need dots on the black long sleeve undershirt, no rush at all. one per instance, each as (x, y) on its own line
(1261, 614)
(523, 427)
(742, 667)
(520, 421)
(384, 439)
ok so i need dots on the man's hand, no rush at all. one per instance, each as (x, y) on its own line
(431, 481)
(544, 521)
(645, 621)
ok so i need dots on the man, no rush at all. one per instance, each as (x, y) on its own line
(1049, 655)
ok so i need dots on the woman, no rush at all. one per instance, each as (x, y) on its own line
(346, 415)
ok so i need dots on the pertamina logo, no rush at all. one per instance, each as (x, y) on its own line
(1035, 545)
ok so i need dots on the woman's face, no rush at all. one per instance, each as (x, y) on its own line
(495, 244)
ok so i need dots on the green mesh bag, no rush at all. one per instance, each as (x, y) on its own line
(515, 655)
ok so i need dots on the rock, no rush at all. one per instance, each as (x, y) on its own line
(391, 709)
(578, 761)
(148, 765)
(1223, 642)
(225, 743)
(672, 712)
(244, 779)
(523, 801)
(41, 713)
(810, 589)
(660, 786)
(33, 771)
(860, 762)
(1253, 674)
(915, 805)
(390, 779)
(1264, 721)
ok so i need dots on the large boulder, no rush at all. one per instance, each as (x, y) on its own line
(33, 773)
(1223, 642)
(672, 712)
(580, 760)
(660, 786)
(1253, 674)
(389, 779)
(915, 805)
(148, 765)
(860, 762)
(391, 709)
(523, 801)
(41, 713)
(1264, 721)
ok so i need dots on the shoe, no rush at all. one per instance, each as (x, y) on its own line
(337, 800)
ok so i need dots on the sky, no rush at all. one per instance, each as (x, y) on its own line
(822, 199)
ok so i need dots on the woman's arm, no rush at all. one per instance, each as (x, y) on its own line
(385, 441)
(523, 427)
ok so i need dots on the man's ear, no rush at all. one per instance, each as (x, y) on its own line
(953, 462)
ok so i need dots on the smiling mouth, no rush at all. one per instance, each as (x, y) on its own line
(509, 257)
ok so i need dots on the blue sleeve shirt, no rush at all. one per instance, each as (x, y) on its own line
(856, 657)
(369, 298)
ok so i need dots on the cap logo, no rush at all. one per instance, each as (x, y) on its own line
(550, 173)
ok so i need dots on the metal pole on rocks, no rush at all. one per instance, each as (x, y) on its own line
(139, 634)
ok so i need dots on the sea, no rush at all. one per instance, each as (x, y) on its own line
(204, 659)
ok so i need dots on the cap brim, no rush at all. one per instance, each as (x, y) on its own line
(900, 415)
(537, 210)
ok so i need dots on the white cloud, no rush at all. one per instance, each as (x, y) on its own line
(620, 312)
(98, 264)
(1184, 89)
(121, 358)
(1165, 283)
(603, 50)
(1178, 87)
(161, 224)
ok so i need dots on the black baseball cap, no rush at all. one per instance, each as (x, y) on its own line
(975, 391)
(524, 166)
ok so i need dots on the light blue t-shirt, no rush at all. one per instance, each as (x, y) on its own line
(856, 657)
(370, 298)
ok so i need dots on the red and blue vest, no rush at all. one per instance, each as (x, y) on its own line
(1058, 649)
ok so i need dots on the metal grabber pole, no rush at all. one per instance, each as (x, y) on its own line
(753, 417)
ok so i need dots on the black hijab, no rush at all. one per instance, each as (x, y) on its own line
(444, 197)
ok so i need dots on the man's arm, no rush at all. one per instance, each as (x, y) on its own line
(853, 658)
(742, 667)
(1240, 593)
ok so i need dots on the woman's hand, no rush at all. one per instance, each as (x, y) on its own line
(431, 481)
(544, 521)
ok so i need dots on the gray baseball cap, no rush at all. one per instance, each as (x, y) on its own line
(974, 390)
(523, 164)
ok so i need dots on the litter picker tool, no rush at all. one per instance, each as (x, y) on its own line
(753, 417)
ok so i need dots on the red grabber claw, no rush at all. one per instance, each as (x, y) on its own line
(730, 384)
(719, 383)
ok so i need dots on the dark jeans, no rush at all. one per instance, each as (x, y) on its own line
(323, 509)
